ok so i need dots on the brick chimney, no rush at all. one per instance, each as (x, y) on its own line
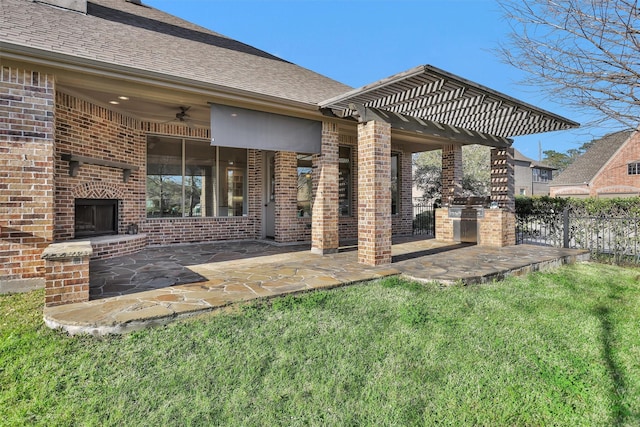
(75, 5)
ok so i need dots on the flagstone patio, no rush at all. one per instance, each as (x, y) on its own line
(159, 285)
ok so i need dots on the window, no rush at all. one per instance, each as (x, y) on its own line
(189, 178)
(633, 168)
(344, 180)
(541, 175)
(305, 184)
(395, 180)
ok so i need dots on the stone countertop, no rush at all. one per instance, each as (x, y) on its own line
(65, 250)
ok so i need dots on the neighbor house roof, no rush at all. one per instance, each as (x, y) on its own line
(125, 34)
(519, 157)
(587, 166)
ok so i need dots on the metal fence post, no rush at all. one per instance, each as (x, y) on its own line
(565, 228)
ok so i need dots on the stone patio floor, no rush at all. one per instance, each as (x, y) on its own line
(161, 284)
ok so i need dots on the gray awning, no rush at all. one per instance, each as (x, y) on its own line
(242, 128)
(428, 93)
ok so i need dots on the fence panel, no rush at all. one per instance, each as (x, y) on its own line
(424, 219)
(615, 238)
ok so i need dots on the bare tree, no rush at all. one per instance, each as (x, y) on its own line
(584, 51)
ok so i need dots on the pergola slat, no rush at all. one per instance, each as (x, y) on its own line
(429, 94)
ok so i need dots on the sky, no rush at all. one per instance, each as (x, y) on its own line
(358, 42)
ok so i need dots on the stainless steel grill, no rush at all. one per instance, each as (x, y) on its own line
(465, 212)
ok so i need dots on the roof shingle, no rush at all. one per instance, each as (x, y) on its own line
(585, 167)
(140, 37)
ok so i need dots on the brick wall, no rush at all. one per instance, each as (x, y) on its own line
(167, 231)
(324, 233)
(114, 246)
(403, 221)
(497, 228)
(444, 225)
(83, 128)
(503, 178)
(374, 208)
(27, 111)
(451, 172)
(289, 227)
(97, 132)
(614, 178)
(66, 273)
(348, 225)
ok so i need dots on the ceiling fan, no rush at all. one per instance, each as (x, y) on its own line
(182, 115)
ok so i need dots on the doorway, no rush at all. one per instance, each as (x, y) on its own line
(269, 194)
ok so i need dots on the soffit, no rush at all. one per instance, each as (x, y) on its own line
(432, 94)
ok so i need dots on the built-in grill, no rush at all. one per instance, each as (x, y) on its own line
(465, 212)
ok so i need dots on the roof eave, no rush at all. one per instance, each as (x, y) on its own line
(56, 60)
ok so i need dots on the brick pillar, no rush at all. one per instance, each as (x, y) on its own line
(27, 108)
(502, 178)
(324, 218)
(497, 228)
(374, 193)
(403, 222)
(444, 225)
(286, 197)
(67, 272)
(451, 172)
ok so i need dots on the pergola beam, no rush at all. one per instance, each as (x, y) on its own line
(431, 94)
(427, 128)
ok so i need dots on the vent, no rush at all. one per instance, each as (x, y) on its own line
(138, 2)
(75, 5)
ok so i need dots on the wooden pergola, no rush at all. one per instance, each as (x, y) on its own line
(431, 95)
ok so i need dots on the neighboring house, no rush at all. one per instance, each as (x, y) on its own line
(119, 120)
(531, 178)
(609, 168)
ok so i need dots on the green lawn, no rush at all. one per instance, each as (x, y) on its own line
(557, 348)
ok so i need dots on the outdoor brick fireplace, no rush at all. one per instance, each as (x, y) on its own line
(95, 217)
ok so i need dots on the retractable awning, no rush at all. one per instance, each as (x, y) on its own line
(434, 95)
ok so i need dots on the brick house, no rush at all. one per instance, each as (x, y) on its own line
(130, 127)
(531, 177)
(609, 168)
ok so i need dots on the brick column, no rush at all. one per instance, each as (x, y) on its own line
(374, 193)
(27, 108)
(502, 178)
(444, 225)
(324, 218)
(286, 197)
(67, 272)
(451, 172)
(497, 228)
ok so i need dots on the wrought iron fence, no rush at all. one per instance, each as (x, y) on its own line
(617, 238)
(424, 219)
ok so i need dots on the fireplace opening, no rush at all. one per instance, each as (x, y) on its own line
(96, 217)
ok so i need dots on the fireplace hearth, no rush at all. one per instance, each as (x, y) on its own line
(96, 217)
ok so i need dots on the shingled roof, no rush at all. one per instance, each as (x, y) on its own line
(138, 37)
(518, 156)
(586, 167)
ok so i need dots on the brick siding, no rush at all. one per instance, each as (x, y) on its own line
(451, 172)
(27, 111)
(614, 178)
(503, 178)
(374, 208)
(288, 226)
(324, 234)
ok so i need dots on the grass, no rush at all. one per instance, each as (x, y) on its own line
(554, 348)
